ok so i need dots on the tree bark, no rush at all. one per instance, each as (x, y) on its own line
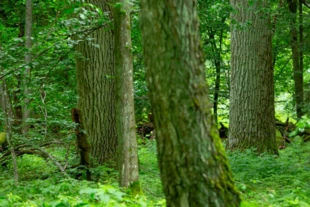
(96, 90)
(125, 114)
(297, 69)
(252, 110)
(193, 165)
(27, 72)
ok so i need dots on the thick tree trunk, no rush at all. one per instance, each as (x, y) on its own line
(252, 110)
(193, 166)
(297, 69)
(125, 114)
(96, 90)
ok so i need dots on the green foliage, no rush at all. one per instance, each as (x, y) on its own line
(42, 185)
(269, 180)
(303, 125)
(68, 193)
(2, 137)
(266, 180)
(149, 172)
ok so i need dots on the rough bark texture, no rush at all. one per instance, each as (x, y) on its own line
(252, 121)
(297, 69)
(96, 82)
(125, 114)
(27, 73)
(193, 166)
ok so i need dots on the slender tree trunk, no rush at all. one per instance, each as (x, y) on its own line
(125, 114)
(9, 119)
(252, 110)
(297, 69)
(306, 99)
(217, 89)
(217, 62)
(27, 72)
(96, 90)
(193, 166)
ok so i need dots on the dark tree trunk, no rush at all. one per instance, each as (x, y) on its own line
(297, 68)
(82, 141)
(217, 62)
(193, 165)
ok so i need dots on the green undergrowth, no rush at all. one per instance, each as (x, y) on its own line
(274, 181)
(266, 180)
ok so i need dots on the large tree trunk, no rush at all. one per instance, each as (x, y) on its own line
(125, 114)
(27, 71)
(297, 69)
(96, 82)
(252, 110)
(193, 165)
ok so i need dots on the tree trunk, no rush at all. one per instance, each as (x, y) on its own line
(27, 72)
(307, 98)
(217, 63)
(95, 86)
(82, 142)
(125, 114)
(252, 110)
(297, 69)
(193, 165)
(6, 107)
(301, 58)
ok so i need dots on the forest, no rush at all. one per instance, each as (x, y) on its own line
(150, 103)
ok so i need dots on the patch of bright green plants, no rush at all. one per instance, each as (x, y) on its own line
(266, 180)
(274, 181)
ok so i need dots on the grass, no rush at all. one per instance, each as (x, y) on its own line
(264, 180)
(274, 181)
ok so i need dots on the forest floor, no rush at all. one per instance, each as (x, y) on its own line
(271, 181)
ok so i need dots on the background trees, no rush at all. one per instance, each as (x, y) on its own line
(190, 156)
(58, 27)
(252, 121)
